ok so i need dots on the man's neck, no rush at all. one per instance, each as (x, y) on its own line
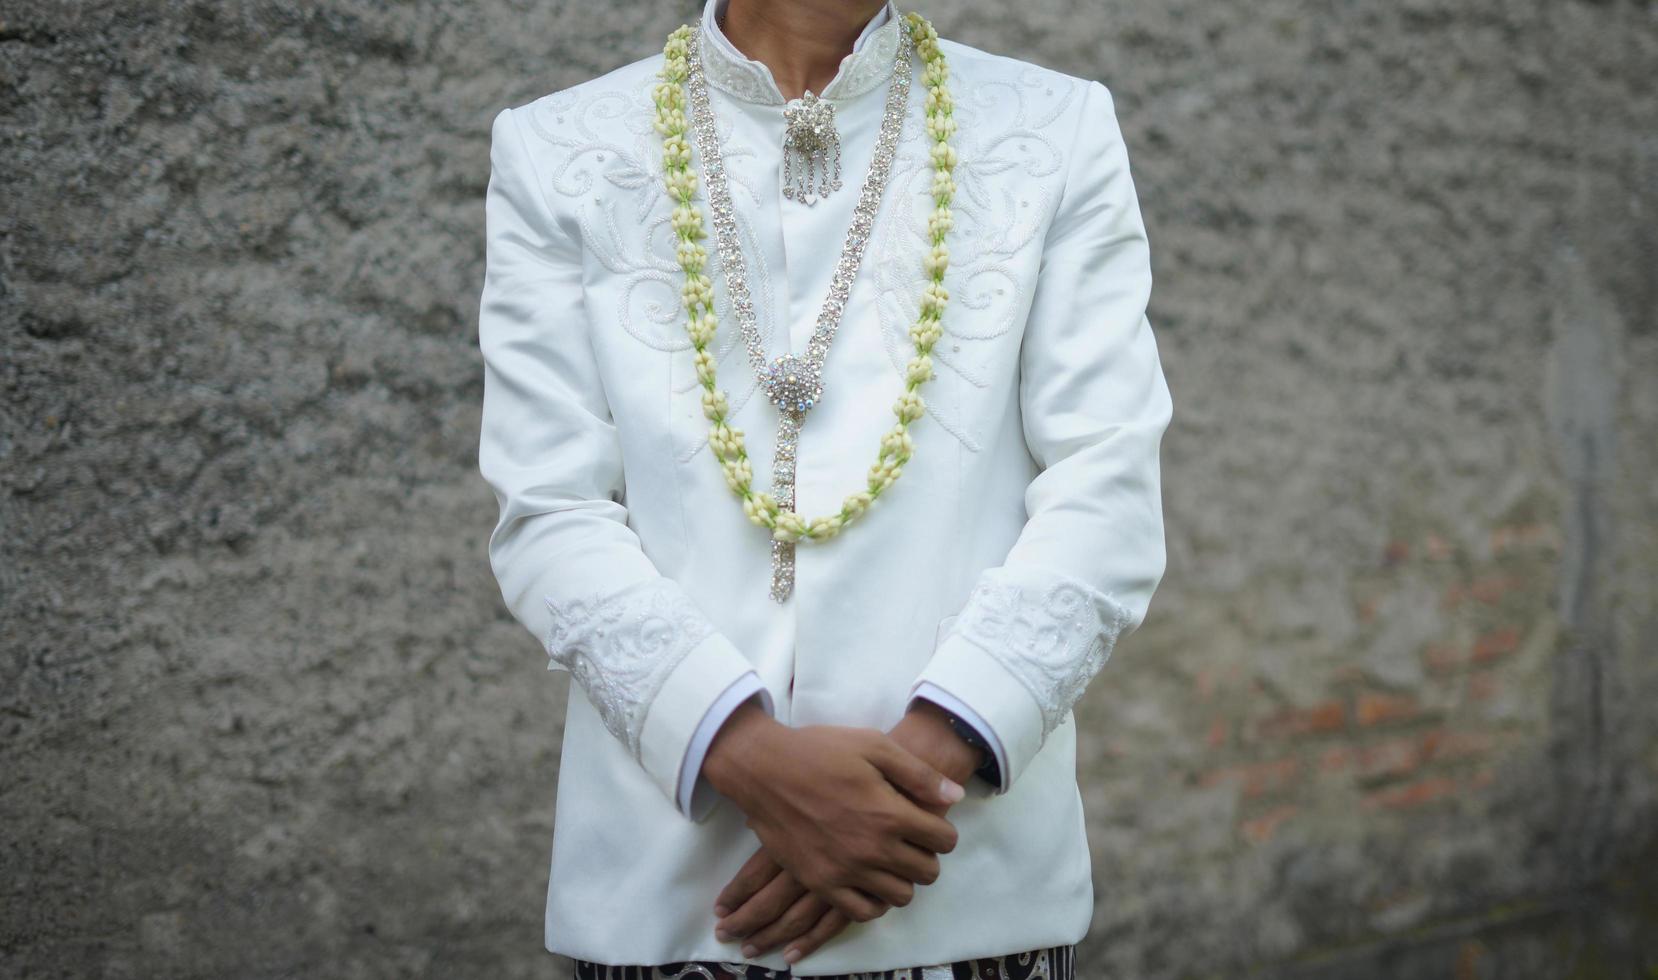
(801, 41)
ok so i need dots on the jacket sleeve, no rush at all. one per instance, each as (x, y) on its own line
(1094, 404)
(697, 795)
(570, 568)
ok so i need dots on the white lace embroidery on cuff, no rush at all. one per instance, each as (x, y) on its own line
(1053, 637)
(621, 647)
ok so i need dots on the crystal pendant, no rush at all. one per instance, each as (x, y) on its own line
(792, 383)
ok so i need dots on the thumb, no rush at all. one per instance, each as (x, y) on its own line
(907, 771)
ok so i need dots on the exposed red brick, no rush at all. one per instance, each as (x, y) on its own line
(1412, 794)
(1482, 685)
(1347, 674)
(1374, 709)
(1461, 745)
(1495, 644)
(1469, 955)
(1397, 551)
(1483, 777)
(1491, 588)
(1403, 896)
(1219, 730)
(1504, 538)
(1331, 716)
(1441, 658)
(1367, 610)
(1437, 548)
(1402, 756)
(1395, 757)
(1336, 758)
(1203, 683)
(1260, 829)
(1255, 778)
(1523, 535)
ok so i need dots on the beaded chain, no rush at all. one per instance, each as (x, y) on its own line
(726, 441)
(793, 381)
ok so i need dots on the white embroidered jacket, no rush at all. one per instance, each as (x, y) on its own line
(1024, 538)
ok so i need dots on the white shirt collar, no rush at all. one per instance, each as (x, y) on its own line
(868, 65)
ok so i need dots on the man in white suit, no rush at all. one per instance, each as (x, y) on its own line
(896, 712)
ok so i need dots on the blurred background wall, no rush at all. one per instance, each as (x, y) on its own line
(262, 713)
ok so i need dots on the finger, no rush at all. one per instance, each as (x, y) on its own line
(764, 908)
(826, 929)
(793, 924)
(924, 828)
(910, 773)
(755, 873)
(913, 863)
(888, 887)
(856, 905)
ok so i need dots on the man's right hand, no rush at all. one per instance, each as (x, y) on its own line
(825, 802)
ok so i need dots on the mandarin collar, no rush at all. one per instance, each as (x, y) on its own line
(868, 66)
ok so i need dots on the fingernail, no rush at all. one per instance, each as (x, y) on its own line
(791, 954)
(951, 790)
(721, 911)
(749, 949)
(722, 935)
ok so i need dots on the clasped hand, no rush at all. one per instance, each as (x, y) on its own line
(850, 820)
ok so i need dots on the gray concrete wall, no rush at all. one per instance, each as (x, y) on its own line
(262, 713)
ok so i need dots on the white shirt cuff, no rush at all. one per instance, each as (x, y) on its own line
(944, 699)
(696, 795)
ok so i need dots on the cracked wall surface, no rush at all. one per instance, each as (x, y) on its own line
(263, 714)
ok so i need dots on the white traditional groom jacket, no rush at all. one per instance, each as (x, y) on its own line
(1024, 538)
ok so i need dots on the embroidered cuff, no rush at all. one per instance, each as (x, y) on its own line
(1050, 633)
(650, 662)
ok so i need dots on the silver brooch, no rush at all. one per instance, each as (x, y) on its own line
(811, 146)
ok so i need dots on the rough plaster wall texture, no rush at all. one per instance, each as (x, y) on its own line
(263, 714)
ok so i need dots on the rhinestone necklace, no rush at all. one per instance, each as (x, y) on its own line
(794, 382)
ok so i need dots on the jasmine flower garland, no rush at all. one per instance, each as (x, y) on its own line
(725, 441)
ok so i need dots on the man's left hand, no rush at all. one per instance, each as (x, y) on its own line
(768, 907)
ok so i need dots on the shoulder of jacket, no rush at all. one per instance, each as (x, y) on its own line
(977, 62)
(991, 76)
(634, 80)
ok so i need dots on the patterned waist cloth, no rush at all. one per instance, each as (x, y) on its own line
(1052, 963)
